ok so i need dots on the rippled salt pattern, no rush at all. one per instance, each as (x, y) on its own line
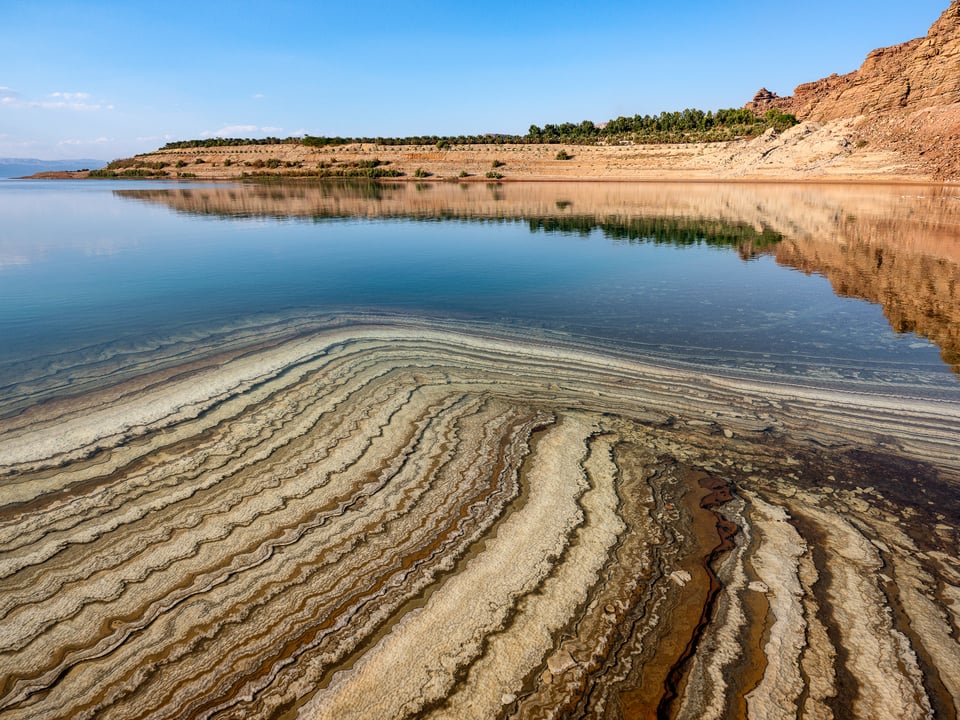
(472, 452)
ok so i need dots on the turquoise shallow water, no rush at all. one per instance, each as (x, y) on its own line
(83, 264)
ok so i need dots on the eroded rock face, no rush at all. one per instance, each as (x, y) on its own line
(908, 92)
(921, 73)
(764, 100)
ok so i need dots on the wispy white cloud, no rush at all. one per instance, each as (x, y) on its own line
(167, 137)
(241, 131)
(80, 101)
(8, 145)
(258, 96)
(97, 141)
(229, 130)
(71, 97)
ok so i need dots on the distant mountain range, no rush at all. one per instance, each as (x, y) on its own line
(20, 167)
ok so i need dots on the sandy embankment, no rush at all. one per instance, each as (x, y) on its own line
(832, 151)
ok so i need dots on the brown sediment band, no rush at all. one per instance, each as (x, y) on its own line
(359, 517)
(717, 493)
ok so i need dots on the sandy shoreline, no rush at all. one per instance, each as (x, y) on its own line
(834, 151)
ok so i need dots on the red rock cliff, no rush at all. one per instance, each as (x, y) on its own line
(909, 93)
(921, 73)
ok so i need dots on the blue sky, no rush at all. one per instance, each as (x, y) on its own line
(109, 79)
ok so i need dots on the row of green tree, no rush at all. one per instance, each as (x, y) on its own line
(688, 125)
(227, 142)
(323, 141)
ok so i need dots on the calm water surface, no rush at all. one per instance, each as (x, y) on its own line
(690, 274)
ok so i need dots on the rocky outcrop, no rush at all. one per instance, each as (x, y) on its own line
(921, 73)
(910, 93)
(764, 100)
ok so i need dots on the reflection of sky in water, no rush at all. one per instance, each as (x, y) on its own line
(90, 267)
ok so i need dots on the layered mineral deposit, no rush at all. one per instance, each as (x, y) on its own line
(374, 517)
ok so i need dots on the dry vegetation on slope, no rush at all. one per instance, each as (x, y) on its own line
(807, 151)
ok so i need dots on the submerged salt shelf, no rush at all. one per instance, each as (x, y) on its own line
(692, 271)
(275, 505)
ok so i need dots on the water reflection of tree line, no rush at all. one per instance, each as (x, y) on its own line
(675, 231)
(899, 286)
(678, 232)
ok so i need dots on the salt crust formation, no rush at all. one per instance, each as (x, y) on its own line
(383, 517)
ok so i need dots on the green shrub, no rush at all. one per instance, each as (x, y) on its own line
(124, 163)
(497, 163)
(563, 155)
(140, 172)
(779, 120)
(327, 172)
(494, 175)
(421, 173)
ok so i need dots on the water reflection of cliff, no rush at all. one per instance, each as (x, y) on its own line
(894, 245)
